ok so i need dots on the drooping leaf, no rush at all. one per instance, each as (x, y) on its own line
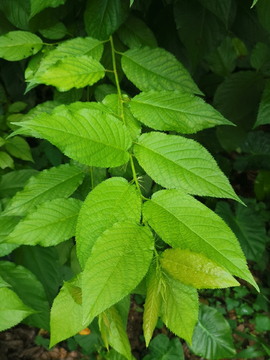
(175, 111)
(88, 136)
(29, 290)
(195, 269)
(55, 32)
(44, 263)
(37, 5)
(111, 201)
(248, 227)
(18, 45)
(72, 71)
(191, 225)
(212, 337)
(156, 69)
(119, 260)
(176, 162)
(14, 181)
(103, 17)
(19, 148)
(66, 313)
(6, 161)
(179, 310)
(53, 222)
(134, 33)
(161, 348)
(264, 109)
(47, 185)
(13, 310)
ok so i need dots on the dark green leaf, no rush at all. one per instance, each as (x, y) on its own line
(161, 348)
(264, 109)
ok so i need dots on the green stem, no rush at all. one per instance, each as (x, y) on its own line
(92, 178)
(135, 177)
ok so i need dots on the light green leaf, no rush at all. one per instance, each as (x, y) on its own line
(133, 125)
(195, 269)
(53, 222)
(254, 3)
(156, 69)
(221, 8)
(119, 260)
(14, 181)
(47, 185)
(29, 290)
(134, 33)
(6, 161)
(103, 90)
(176, 162)
(111, 201)
(103, 17)
(263, 10)
(175, 111)
(66, 313)
(115, 331)
(17, 107)
(55, 32)
(161, 348)
(212, 337)
(13, 310)
(19, 148)
(88, 136)
(72, 71)
(179, 310)
(7, 224)
(18, 45)
(46, 107)
(264, 109)
(248, 226)
(191, 225)
(37, 5)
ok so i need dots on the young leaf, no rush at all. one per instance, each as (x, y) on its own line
(179, 310)
(18, 45)
(175, 111)
(119, 260)
(111, 201)
(72, 71)
(19, 148)
(47, 185)
(66, 312)
(264, 109)
(156, 69)
(53, 222)
(29, 290)
(176, 162)
(212, 337)
(115, 331)
(88, 136)
(13, 310)
(195, 269)
(103, 17)
(37, 5)
(185, 223)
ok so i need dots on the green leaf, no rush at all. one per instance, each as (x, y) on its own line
(44, 263)
(175, 111)
(221, 8)
(162, 348)
(179, 310)
(72, 71)
(103, 90)
(6, 161)
(260, 58)
(13, 310)
(263, 10)
(17, 107)
(68, 97)
(191, 268)
(14, 181)
(46, 107)
(7, 224)
(18, 45)
(262, 323)
(17, 12)
(53, 222)
(29, 290)
(19, 148)
(134, 33)
(115, 331)
(3, 283)
(191, 225)
(47, 185)
(55, 32)
(111, 201)
(264, 109)
(66, 313)
(156, 69)
(119, 260)
(254, 3)
(198, 28)
(151, 308)
(262, 184)
(103, 17)
(176, 162)
(37, 5)
(248, 227)
(212, 337)
(88, 136)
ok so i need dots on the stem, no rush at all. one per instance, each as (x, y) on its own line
(135, 177)
(92, 177)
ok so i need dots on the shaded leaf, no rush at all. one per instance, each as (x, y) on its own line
(6, 161)
(55, 32)
(161, 348)
(37, 5)
(14, 181)
(264, 109)
(19, 148)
